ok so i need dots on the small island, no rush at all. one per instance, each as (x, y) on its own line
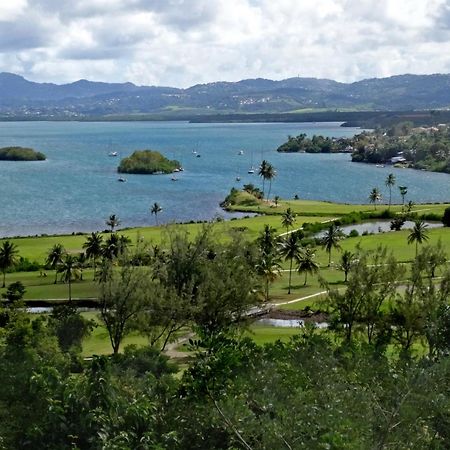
(148, 162)
(20, 154)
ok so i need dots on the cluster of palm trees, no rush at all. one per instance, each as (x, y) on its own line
(390, 181)
(267, 172)
(290, 247)
(70, 266)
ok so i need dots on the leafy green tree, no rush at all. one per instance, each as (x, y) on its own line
(375, 197)
(123, 295)
(290, 249)
(113, 222)
(155, 209)
(446, 217)
(403, 191)
(418, 234)
(15, 292)
(331, 240)
(306, 263)
(69, 326)
(69, 269)
(55, 257)
(288, 219)
(276, 199)
(8, 257)
(390, 182)
(94, 248)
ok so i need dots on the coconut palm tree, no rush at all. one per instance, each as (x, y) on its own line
(269, 269)
(267, 240)
(403, 191)
(69, 270)
(113, 222)
(418, 234)
(389, 182)
(290, 249)
(155, 209)
(271, 173)
(8, 257)
(347, 261)
(93, 247)
(262, 172)
(54, 258)
(306, 263)
(288, 219)
(331, 240)
(374, 197)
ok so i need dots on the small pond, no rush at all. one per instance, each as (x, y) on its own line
(380, 226)
(288, 323)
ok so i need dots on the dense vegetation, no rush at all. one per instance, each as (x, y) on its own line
(317, 144)
(20, 154)
(419, 148)
(147, 162)
(384, 353)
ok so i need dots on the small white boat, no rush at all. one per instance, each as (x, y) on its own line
(176, 170)
(174, 179)
(238, 178)
(122, 180)
(112, 154)
(251, 170)
(240, 152)
(198, 155)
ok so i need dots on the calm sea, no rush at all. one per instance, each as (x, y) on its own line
(77, 188)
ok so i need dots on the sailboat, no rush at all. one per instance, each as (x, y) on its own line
(252, 169)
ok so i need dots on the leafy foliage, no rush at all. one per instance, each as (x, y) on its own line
(147, 162)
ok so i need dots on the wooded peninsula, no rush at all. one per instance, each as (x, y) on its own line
(424, 148)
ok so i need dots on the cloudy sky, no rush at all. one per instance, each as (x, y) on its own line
(184, 42)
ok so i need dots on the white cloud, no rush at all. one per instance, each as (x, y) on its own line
(183, 42)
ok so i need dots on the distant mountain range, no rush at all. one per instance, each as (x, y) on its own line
(20, 98)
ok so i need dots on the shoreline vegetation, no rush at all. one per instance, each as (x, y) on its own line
(402, 146)
(148, 162)
(20, 154)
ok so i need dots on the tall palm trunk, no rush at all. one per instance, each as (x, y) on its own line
(4, 278)
(56, 276)
(306, 277)
(390, 196)
(70, 290)
(270, 188)
(290, 276)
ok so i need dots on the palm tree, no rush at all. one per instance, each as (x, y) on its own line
(269, 269)
(155, 209)
(54, 258)
(306, 263)
(288, 219)
(389, 182)
(347, 261)
(403, 192)
(267, 240)
(290, 249)
(418, 234)
(113, 222)
(276, 199)
(93, 247)
(270, 175)
(8, 257)
(331, 239)
(262, 171)
(69, 270)
(374, 197)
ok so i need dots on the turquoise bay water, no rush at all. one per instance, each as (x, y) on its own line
(77, 187)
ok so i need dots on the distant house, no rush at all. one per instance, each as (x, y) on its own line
(397, 160)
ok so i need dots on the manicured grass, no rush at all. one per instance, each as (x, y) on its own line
(40, 287)
(264, 334)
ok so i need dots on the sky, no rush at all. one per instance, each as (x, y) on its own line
(184, 42)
